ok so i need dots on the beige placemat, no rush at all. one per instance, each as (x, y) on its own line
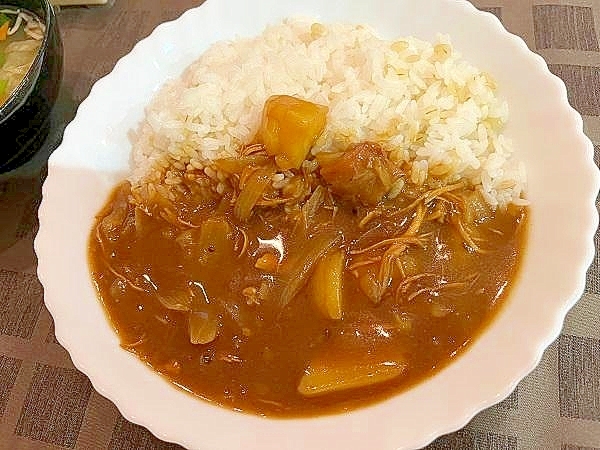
(45, 403)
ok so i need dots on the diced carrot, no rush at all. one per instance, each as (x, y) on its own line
(267, 262)
(4, 31)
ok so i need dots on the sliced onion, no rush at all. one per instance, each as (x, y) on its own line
(295, 272)
(203, 327)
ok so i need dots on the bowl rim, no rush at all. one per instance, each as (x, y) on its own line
(20, 94)
(530, 357)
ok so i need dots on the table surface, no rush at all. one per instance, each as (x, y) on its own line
(46, 403)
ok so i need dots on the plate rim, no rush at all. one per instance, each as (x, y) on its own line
(42, 249)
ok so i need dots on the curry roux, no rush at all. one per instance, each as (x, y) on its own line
(159, 270)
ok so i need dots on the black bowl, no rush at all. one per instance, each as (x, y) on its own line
(25, 116)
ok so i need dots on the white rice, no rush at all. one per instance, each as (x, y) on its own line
(420, 100)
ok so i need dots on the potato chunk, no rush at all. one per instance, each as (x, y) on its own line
(326, 377)
(326, 284)
(289, 128)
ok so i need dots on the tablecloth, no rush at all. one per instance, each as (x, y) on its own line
(45, 403)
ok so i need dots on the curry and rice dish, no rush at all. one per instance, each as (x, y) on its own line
(21, 35)
(308, 256)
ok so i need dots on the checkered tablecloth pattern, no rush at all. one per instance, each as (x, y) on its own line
(45, 403)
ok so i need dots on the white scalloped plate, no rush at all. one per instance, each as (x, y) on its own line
(563, 184)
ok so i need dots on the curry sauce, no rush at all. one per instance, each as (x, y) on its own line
(286, 284)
